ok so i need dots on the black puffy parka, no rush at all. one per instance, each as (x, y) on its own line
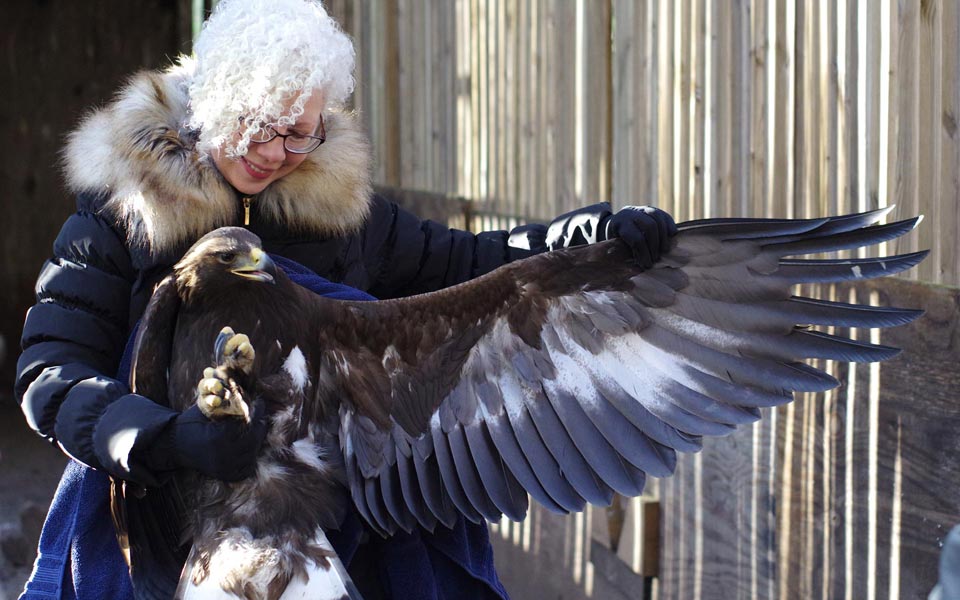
(144, 196)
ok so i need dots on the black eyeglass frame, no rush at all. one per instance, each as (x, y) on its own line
(318, 139)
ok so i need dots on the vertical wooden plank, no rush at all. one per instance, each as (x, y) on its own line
(594, 98)
(497, 105)
(903, 180)
(759, 572)
(694, 207)
(758, 69)
(930, 141)
(848, 190)
(634, 118)
(712, 124)
(847, 103)
(524, 107)
(871, 57)
(406, 125)
(509, 99)
(718, 110)
(482, 69)
(544, 92)
(806, 123)
(950, 145)
(666, 103)
(627, 64)
(564, 121)
(828, 86)
(783, 180)
(681, 93)
(740, 97)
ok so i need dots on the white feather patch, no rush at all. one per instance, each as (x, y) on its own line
(256, 562)
(239, 556)
(308, 453)
(323, 582)
(296, 366)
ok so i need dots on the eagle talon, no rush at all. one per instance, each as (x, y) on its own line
(219, 395)
(234, 351)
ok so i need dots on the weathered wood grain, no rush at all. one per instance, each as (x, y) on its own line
(889, 447)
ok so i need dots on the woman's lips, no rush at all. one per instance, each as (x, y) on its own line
(255, 172)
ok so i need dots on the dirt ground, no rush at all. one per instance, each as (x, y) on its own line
(29, 471)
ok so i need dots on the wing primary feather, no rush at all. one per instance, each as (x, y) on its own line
(666, 405)
(384, 524)
(409, 488)
(818, 226)
(572, 463)
(542, 462)
(746, 229)
(448, 474)
(780, 316)
(470, 481)
(499, 482)
(793, 271)
(817, 344)
(722, 390)
(847, 240)
(628, 441)
(393, 497)
(751, 371)
(661, 435)
(431, 486)
(356, 482)
(501, 434)
(596, 450)
(708, 408)
(813, 311)
(796, 344)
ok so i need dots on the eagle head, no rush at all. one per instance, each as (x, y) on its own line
(221, 260)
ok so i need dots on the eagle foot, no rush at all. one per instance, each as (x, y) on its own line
(220, 396)
(234, 351)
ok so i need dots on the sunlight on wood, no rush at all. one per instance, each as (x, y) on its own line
(896, 514)
(873, 457)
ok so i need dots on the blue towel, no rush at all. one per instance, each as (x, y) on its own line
(79, 557)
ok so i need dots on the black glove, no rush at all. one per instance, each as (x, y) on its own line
(225, 449)
(646, 229)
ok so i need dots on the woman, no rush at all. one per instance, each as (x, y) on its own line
(246, 133)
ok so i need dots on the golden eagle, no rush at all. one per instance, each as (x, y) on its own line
(567, 376)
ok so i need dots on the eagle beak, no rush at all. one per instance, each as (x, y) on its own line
(258, 266)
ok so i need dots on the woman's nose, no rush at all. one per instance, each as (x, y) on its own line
(272, 151)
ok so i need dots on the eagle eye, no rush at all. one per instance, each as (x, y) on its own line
(226, 257)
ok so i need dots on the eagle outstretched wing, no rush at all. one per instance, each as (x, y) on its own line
(575, 373)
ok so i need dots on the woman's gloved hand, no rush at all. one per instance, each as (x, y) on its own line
(646, 229)
(139, 440)
(224, 449)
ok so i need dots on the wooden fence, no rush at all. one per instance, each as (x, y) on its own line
(528, 108)
(740, 107)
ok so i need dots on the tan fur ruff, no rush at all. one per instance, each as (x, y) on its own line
(164, 193)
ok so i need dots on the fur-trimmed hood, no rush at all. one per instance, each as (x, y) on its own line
(137, 152)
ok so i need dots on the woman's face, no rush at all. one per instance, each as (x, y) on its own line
(265, 163)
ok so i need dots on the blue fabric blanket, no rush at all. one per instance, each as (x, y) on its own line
(79, 557)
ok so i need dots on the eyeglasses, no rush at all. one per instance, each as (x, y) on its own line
(297, 143)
